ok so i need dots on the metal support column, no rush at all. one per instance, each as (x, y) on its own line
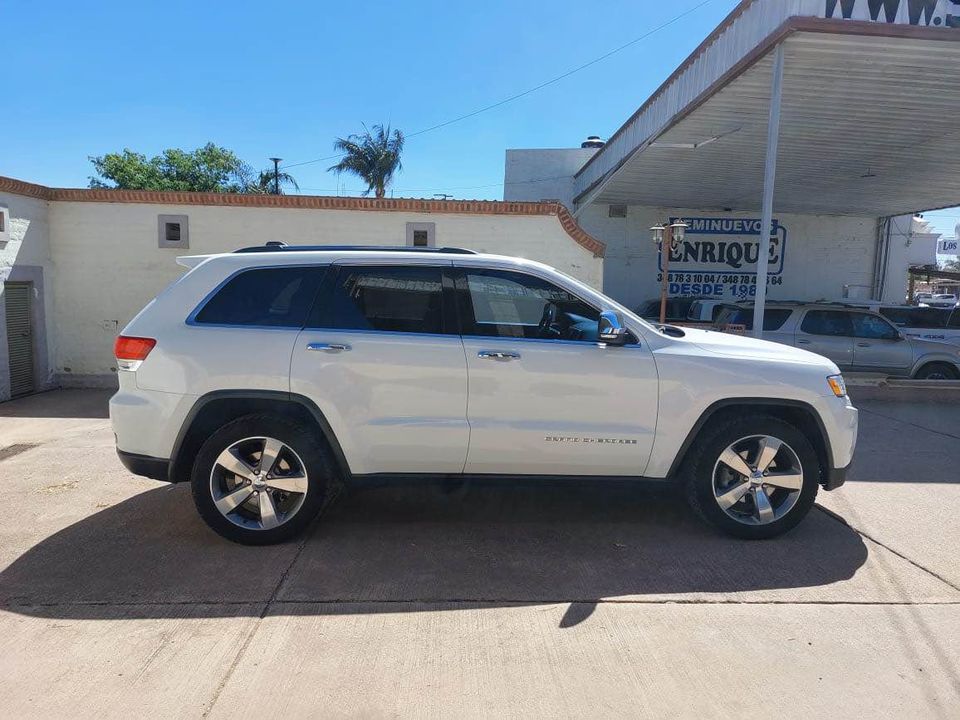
(769, 178)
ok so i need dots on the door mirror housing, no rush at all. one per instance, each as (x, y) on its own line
(611, 329)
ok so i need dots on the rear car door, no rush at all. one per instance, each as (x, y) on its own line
(878, 345)
(382, 358)
(828, 333)
(546, 398)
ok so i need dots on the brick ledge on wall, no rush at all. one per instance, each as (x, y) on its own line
(313, 202)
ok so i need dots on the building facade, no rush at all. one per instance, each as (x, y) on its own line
(88, 260)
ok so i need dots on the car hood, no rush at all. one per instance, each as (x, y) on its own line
(731, 345)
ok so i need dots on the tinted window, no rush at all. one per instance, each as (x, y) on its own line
(871, 326)
(271, 297)
(916, 317)
(508, 304)
(393, 299)
(773, 318)
(827, 322)
(954, 321)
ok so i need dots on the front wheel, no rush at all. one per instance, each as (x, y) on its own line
(753, 477)
(260, 479)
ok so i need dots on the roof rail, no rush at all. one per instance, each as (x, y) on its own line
(276, 246)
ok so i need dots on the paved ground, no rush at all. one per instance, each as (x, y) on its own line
(115, 601)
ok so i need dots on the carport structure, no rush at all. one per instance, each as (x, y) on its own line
(835, 107)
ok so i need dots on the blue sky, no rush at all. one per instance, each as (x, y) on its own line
(286, 78)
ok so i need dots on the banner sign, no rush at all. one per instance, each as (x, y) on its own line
(934, 13)
(718, 258)
(948, 247)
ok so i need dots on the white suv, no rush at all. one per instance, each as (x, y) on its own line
(265, 376)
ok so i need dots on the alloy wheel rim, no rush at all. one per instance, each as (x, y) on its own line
(258, 483)
(757, 480)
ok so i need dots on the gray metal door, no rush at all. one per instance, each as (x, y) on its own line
(19, 336)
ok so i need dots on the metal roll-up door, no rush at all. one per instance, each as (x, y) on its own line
(19, 336)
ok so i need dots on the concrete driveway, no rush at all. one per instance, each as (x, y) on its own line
(497, 601)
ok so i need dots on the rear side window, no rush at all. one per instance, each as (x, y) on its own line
(827, 322)
(389, 299)
(773, 318)
(265, 297)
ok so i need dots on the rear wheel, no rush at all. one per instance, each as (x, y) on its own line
(753, 477)
(936, 371)
(260, 479)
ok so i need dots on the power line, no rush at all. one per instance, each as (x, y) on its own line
(534, 89)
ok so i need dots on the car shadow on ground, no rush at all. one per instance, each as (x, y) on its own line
(473, 545)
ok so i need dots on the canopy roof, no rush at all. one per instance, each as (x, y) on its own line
(870, 118)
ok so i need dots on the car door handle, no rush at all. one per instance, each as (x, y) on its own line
(863, 344)
(803, 342)
(328, 347)
(498, 355)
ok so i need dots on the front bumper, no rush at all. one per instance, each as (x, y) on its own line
(835, 478)
(145, 466)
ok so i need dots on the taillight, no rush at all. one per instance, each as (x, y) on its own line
(131, 351)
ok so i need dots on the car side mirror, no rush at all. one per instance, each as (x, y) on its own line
(611, 329)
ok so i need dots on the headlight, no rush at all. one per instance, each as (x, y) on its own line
(837, 384)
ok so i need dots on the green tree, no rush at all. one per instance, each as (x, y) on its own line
(206, 169)
(374, 157)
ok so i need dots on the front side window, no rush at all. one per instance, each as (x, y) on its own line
(827, 322)
(501, 303)
(388, 299)
(266, 297)
(873, 327)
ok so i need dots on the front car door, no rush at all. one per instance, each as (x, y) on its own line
(878, 345)
(382, 359)
(546, 398)
(828, 333)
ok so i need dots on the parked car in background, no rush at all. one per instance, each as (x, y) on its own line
(922, 297)
(941, 300)
(926, 323)
(684, 309)
(677, 309)
(855, 339)
(707, 311)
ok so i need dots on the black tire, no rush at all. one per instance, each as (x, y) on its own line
(936, 371)
(309, 448)
(698, 472)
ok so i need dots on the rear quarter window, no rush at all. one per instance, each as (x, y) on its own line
(263, 297)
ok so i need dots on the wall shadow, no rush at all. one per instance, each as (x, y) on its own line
(71, 403)
(474, 545)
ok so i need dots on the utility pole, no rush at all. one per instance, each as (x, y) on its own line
(276, 175)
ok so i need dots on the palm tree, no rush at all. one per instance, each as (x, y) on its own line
(373, 157)
(265, 183)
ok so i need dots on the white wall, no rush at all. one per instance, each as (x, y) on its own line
(822, 253)
(543, 174)
(110, 265)
(912, 242)
(25, 256)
